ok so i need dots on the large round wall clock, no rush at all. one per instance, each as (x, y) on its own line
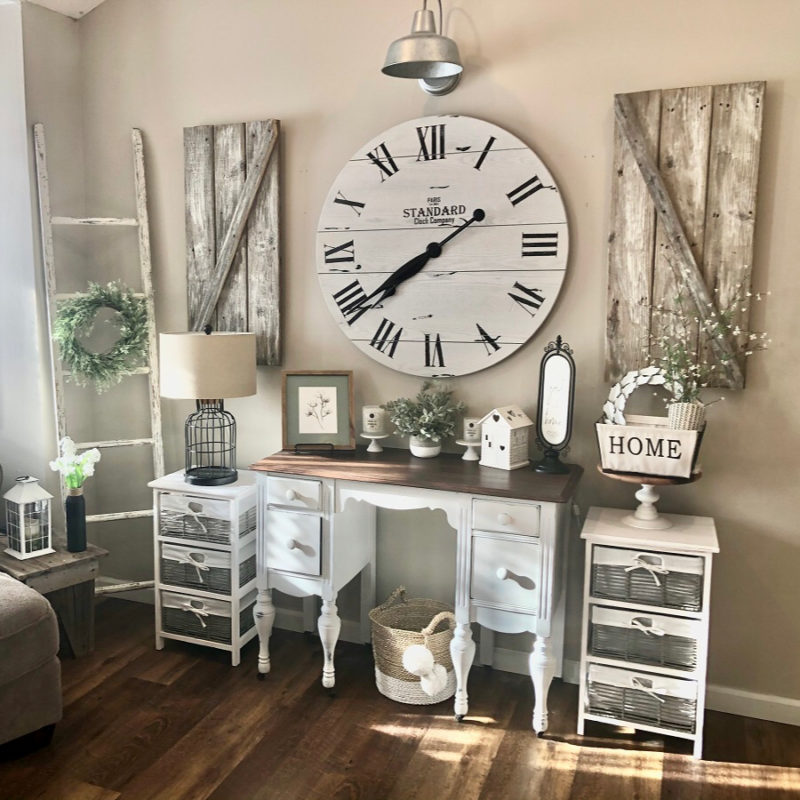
(442, 246)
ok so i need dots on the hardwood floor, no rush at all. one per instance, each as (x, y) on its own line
(183, 724)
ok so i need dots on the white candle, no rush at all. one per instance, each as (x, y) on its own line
(472, 429)
(373, 419)
(32, 531)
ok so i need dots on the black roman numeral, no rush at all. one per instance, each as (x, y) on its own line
(354, 204)
(337, 254)
(431, 142)
(350, 300)
(525, 190)
(382, 159)
(386, 338)
(485, 151)
(434, 356)
(489, 342)
(540, 244)
(532, 298)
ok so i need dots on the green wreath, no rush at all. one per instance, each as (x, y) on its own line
(129, 351)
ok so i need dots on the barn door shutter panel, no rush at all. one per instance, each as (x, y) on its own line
(683, 212)
(232, 236)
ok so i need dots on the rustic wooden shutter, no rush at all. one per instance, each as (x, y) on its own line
(232, 237)
(683, 211)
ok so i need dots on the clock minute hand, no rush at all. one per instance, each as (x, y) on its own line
(415, 264)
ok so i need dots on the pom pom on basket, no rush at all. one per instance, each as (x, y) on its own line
(412, 657)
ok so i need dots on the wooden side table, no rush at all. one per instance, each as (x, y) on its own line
(67, 581)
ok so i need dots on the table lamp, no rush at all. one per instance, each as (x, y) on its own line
(208, 367)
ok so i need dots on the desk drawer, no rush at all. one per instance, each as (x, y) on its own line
(505, 517)
(293, 542)
(294, 493)
(505, 572)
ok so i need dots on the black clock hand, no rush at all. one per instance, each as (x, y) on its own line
(414, 265)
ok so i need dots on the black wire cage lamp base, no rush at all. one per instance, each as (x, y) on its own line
(210, 445)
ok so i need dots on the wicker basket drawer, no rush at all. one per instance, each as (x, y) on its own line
(294, 493)
(505, 571)
(505, 517)
(644, 638)
(201, 519)
(209, 570)
(203, 617)
(642, 698)
(657, 579)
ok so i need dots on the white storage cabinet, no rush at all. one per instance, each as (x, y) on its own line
(644, 646)
(205, 562)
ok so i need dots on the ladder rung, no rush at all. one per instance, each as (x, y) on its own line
(137, 371)
(94, 221)
(114, 443)
(73, 295)
(123, 587)
(148, 512)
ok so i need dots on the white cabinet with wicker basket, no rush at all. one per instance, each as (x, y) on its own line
(205, 562)
(646, 614)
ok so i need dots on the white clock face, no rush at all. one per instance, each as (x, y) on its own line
(442, 246)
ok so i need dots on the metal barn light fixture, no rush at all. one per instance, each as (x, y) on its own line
(426, 55)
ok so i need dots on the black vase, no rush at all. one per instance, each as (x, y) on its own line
(75, 505)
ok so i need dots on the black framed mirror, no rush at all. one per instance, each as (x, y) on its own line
(556, 402)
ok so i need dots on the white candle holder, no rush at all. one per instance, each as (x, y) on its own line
(472, 452)
(374, 446)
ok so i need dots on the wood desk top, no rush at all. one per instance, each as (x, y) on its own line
(446, 472)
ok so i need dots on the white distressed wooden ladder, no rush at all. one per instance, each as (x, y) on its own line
(47, 221)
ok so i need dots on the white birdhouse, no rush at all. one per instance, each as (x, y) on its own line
(28, 519)
(504, 438)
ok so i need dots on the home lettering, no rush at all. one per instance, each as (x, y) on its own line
(651, 447)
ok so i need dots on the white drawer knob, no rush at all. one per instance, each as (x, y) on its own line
(502, 574)
(503, 518)
(291, 495)
(293, 544)
(523, 581)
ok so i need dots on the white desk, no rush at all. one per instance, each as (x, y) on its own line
(317, 532)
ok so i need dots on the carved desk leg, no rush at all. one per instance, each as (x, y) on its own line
(264, 615)
(542, 665)
(329, 625)
(462, 652)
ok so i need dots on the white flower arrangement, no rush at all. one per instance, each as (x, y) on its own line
(74, 467)
(677, 348)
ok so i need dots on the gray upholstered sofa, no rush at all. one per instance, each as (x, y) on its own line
(30, 672)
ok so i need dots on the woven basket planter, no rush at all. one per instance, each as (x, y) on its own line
(399, 623)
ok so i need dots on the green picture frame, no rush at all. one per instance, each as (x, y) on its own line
(317, 410)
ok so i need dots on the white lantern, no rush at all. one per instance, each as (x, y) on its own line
(28, 519)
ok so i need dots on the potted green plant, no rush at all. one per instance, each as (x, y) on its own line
(687, 365)
(427, 419)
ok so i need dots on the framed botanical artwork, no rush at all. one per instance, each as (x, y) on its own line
(318, 410)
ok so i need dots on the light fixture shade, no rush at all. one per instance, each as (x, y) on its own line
(199, 366)
(423, 54)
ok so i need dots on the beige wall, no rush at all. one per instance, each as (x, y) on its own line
(548, 73)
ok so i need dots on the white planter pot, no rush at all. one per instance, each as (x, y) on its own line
(424, 448)
(686, 416)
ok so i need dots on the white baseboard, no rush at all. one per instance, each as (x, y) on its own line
(751, 704)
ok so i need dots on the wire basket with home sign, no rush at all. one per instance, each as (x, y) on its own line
(403, 629)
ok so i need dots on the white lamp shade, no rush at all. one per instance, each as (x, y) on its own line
(200, 366)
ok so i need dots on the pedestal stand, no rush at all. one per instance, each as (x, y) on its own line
(472, 452)
(374, 446)
(646, 515)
